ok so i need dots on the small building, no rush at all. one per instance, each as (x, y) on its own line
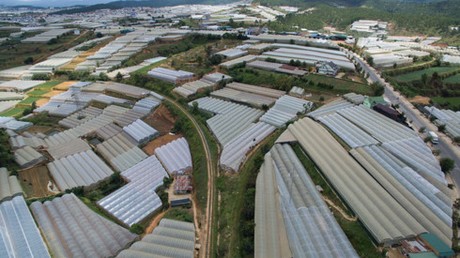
(370, 102)
(183, 184)
(327, 68)
(441, 249)
(180, 202)
(389, 112)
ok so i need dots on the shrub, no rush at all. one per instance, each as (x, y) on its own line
(447, 164)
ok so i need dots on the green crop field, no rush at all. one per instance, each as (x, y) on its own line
(417, 75)
(15, 112)
(450, 102)
(453, 79)
(341, 86)
(28, 101)
(47, 85)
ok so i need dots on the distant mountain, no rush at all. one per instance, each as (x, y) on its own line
(141, 3)
(344, 3)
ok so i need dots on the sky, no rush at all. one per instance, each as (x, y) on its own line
(53, 3)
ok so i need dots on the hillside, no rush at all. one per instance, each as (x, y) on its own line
(142, 3)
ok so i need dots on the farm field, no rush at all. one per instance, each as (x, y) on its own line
(14, 54)
(413, 76)
(37, 95)
(451, 103)
(340, 85)
(35, 182)
(453, 79)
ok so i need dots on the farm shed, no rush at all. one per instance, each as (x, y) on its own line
(19, 236)
(171, 238)
(74, 230)
(230, 120)
(136, 200)
(310, 226)
(81, 169)
(386, 220)
(169, 75)
(285, 110)
(19, 85)
(9, 185)
(436, 219)
(121, 152)
(27, 157)
(175, 156)
(140, 131)
(234, 153)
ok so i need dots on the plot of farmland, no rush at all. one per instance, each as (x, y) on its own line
(417, 75)
(453, 79)
(35, 181)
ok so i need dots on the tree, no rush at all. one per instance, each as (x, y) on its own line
(119, 77)
(136, 229)
(29, 60)
(99, 35)
(52, 41)
(447, 164)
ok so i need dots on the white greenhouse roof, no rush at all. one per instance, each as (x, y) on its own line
(175, 156)
(74, 230)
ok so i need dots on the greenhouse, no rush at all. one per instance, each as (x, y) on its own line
(71, 229)
(175, 156)
(27, 157)
(311, 229)
(9, 185)
(121, 152)
(19, 236)
(234, 153)
(386, 219)
(81, 169)
(136, 200)
(171, 238)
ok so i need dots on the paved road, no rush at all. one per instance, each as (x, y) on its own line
(206, 229)
(416, 118)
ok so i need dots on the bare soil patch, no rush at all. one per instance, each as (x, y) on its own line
(35, 182)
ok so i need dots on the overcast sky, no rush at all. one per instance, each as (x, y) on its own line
(58, 3)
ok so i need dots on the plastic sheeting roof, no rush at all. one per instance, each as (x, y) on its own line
(140, 131)
(19, 236)
(135, 201)
(285, 110)
(9, 185)
(175, 156)
(171, 238)
(81, 169)
(73, 230)
(234, 153)
(381, 214)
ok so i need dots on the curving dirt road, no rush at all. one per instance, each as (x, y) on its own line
(205, 234)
